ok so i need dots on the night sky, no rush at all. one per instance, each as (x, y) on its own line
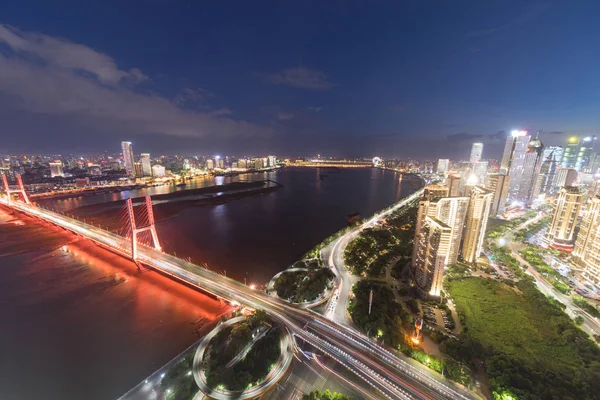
(356, 78)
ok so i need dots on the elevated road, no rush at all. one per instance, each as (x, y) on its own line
(394, 377)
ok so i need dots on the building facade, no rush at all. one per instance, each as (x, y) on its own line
(561, 230)
(128, 159)
(513, 161)
(432, 246)
(443, 165)
(476, 153)
(146, 166)
(498, 184)
(587, 247)
(56, 168)
(531, 169)
(480, 203)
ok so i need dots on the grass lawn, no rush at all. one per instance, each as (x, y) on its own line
(529, 346)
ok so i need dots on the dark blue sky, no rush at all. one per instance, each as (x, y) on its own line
(397, 78)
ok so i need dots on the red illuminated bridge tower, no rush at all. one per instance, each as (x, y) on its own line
(135, 230)
(20, 190)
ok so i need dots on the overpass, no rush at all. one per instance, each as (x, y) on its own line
(387, 372)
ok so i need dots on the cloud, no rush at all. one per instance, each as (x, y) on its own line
(299, 77)
(533, 11)
(315, 109)
(45, 75)
(499, 135)
(284, 115)
(397, 109)
(463, 137)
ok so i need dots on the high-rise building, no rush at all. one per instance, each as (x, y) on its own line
(138, 168)
(551, 158)
(587, 246)
(480, 169)
(56, 168)
(561, 230)
(453, 183)
(513, 161)
(128, 158)
(271, 160)
(531, 170)
(578, 152)
(432, 245)
(476, 153)
(480, 202)
(451, 211)
(442, 165)
(498, 185)
(210, 164)
(146, 166)
(565, 177)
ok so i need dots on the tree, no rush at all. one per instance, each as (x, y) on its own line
(579, 320)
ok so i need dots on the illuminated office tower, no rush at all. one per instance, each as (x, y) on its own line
(531, 170)
(56, 168)
(271, 160)
(578, 152)
(564, 218)
(498, 185)
(480, 202)
(146, 166)
(476, 152)
(432, 245)
(442, 165)
(565, 177)
(587, 246)
(128, 158)
(513, 161)
(480, 169)
(551, 158)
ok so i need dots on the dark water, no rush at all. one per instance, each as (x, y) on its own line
(254, 238)
(86, 324)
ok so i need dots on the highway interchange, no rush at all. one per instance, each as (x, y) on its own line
(386, 371)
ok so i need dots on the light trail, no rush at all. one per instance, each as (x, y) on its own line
(378, 367)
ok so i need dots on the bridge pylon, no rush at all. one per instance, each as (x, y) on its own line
(135, 230)
(20, 190)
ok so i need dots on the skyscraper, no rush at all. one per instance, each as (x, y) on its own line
(531, 170)
(480, 202)
(128, 158)
(146, 167)
(578, 152)
(442, 165)
(451, 211)
(513, 160)
(565, 177)
(564, 218)
(476, 153)
(453, 185)
(480, 169)
(587, 247)
(551, 158)
(431, 247)
(498, 185)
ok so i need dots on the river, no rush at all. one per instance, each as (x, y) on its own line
(79, 322)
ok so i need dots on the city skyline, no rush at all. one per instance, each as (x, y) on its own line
(192, 95)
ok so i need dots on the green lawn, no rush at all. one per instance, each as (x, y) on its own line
(529, 346)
